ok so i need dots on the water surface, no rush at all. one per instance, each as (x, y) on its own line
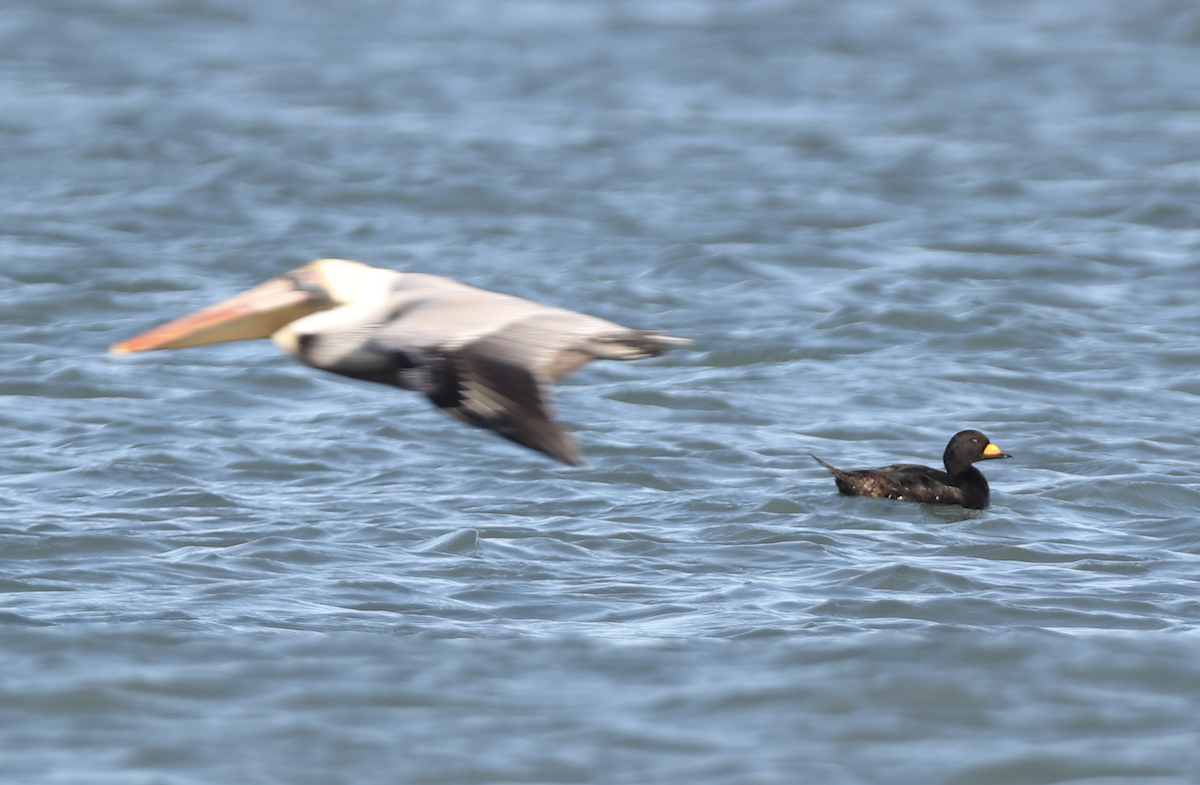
(881, 222)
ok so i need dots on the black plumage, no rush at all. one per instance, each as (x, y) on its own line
(961, 483)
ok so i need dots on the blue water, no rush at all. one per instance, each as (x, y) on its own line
(881, 222)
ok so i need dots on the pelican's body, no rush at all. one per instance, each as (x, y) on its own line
(483, 357)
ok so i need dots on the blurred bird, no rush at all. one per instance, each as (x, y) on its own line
(485, 358)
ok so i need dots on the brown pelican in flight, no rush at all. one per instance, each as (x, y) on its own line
(485, 358)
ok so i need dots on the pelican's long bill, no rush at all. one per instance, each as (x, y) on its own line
(257, 313)
(485, 358)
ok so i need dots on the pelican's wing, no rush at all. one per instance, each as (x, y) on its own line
(491, 361)
(492, 383)
(499, 380)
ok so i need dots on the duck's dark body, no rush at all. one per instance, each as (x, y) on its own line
(960, 484)
(910, 482)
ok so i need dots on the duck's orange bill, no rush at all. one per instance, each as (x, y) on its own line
(992, 451)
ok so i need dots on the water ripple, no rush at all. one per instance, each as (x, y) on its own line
(880, 223)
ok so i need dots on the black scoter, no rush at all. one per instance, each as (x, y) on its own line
(961, 483)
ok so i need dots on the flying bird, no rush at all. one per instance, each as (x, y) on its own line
(485, 358)
(961, 483)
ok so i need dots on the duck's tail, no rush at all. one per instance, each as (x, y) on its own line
(832, 469)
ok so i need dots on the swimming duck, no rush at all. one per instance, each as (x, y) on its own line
(961, 483)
